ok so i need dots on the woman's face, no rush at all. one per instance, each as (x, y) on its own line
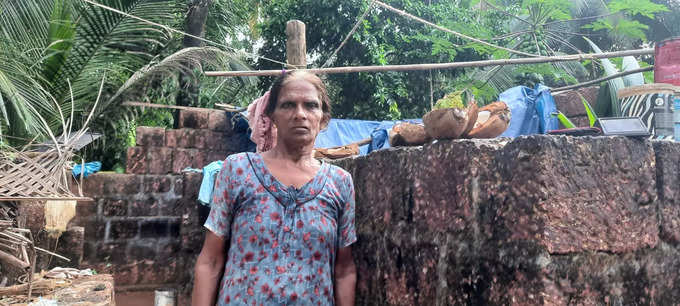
(298, 112)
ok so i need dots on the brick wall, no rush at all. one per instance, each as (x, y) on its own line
(143, 225)
(202, 137)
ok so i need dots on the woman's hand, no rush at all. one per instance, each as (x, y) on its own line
(209, 268)
(345, 277)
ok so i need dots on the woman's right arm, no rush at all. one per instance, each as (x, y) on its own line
(209, 268)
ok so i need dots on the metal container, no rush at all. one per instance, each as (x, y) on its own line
(667, 61)
(164, 297)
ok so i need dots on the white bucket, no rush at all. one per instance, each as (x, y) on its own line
(164, 297)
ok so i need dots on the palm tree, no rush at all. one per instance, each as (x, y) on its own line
(54, 54)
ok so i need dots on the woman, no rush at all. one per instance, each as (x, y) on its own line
(282, 223)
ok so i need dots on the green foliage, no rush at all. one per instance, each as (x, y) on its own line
(637, 7)
(592, 117)
(452, 100)
(565, 121)
(383, 38)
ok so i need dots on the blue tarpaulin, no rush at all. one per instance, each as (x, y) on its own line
(342, 132)
(531, 110)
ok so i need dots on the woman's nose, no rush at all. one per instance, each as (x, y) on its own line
(300, 112)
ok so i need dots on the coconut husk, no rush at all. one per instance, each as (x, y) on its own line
(407, 134)
(337, 152)
(492, 120)
(445, 123)
(472, 111)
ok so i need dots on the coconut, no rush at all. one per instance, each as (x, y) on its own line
(492, 120)
(472, 112)
(445, 123)
(407, 134)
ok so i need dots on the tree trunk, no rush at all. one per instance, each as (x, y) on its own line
(195, 25)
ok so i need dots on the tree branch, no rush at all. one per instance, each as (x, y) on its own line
(600, 80)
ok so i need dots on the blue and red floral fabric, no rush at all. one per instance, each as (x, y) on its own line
(282, 240)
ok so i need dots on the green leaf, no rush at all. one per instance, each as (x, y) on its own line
(601, 24)
(564, 120)
(592, 118)
(631, 28)
(637, 7)
(614, 84)
(635, 79)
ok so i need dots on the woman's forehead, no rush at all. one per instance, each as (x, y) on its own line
(298, 87)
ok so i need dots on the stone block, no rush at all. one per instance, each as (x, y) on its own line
(105, 184)
(488, 221)
(668, 175)
(90, 252)
(113, 252)
(127, 273)
(212, 156)
(199, 160)
(171, 136)
(146, 206)
(142, 249)
(159, 160)
(154, 228)
(111, 207)
(192, 138)
(219, 121)
(162, 271)
(192, 184)
(86, 210)
(195, 119)
(158, 183)
(95, 230)
(136, 160)
(123, 229)
(150, 136)
(182, 158)
(570, 103)
(214, 140)
(168, 247)
(171, 207)
(71, 245)
(558, 193)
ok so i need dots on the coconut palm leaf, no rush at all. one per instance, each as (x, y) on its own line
(614, 84)
(104, 37)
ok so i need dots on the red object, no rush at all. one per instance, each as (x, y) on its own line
(667, 61)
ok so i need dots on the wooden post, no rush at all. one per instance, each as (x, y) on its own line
(296, 44)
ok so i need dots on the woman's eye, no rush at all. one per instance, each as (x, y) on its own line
(312, 105)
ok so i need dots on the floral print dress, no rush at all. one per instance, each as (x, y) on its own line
(282, 241)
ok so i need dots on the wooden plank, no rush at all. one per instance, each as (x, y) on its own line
(419, 67)
(144, 104)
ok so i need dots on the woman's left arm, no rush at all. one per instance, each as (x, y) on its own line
(345, 277)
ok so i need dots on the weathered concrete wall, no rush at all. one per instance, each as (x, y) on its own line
(539, 220)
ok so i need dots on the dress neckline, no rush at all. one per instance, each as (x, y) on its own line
(284, 193)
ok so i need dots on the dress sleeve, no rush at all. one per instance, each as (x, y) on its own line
(346, 229)
(221, 211)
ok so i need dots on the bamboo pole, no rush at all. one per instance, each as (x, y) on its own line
(418, 67)
(607, 78)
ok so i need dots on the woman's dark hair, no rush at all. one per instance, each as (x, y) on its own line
(307, 76)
